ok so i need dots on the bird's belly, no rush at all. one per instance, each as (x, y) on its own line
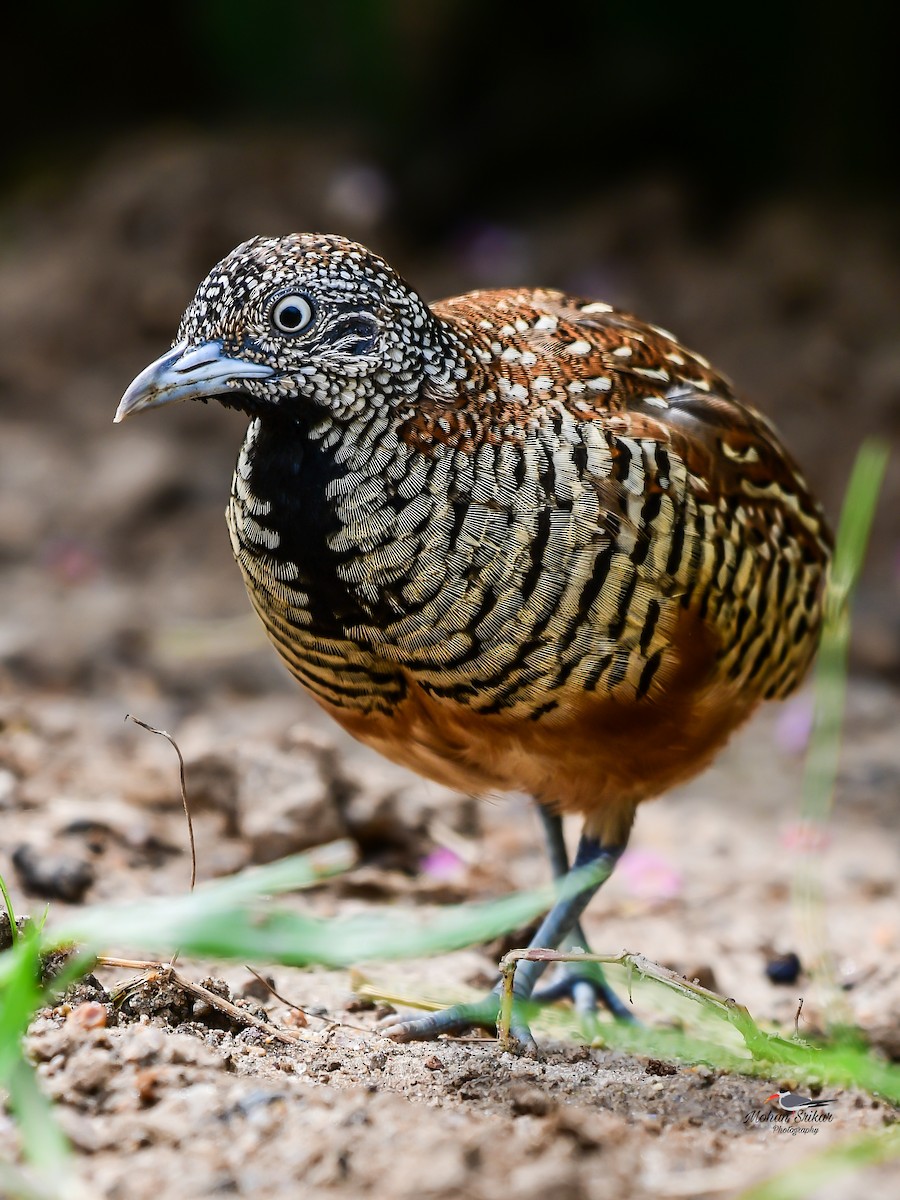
(595, 755)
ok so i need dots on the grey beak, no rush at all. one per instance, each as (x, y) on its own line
(188, 373)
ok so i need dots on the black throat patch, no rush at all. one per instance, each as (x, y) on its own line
(289, 477)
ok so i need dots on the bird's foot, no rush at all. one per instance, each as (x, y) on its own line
(581, 984)
(480, 1014)
(585, 985)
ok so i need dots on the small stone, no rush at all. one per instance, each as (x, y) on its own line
(52, 876)
(147, 1082)
(359, 1004)
(886, 1037)
(143, 1046)
(657, 1067)
(89, 1015)
(433, 1063)
(785, 968)
(8, 784)
(527, 1100)
(703, 975)
(258, 989)
(212, 784)
(22, 923)
(299, 811)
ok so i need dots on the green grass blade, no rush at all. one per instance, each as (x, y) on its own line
(222, 921)
(830, 685)
(159, 922)
(10, 911)
(16, 1184)
(45, 1145)
(21, 994)
(831, 669)
(857, 512)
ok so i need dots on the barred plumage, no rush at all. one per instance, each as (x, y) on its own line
(516, 540)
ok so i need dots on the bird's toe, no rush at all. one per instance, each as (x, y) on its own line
(482, 1014)
(586, 990)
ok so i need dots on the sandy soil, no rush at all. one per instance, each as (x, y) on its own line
(118, 594)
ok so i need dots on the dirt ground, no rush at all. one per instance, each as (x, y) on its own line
(118, 594)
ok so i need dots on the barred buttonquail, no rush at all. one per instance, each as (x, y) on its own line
(514, 540)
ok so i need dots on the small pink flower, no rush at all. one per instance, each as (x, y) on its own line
(70, 561)
(648, 875)
(794, 725)
(805, 837)
(441, 863)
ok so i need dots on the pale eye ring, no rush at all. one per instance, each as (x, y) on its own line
(291, 313)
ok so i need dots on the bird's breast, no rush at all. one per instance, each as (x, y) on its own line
(501, 578)
(520, 577)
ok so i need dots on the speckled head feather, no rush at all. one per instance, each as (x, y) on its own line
(369, 338)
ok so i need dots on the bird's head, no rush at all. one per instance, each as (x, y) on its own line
(297, 324)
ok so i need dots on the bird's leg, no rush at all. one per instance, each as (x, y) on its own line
(583, 983)
(561, 919)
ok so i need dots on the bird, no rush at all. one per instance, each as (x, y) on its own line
(514, 540)
(795, 1102)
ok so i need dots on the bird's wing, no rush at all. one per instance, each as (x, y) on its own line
(544, 355)
(698, 504)
(661, 390)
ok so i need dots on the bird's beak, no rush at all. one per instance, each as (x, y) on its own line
(774, 1096)
(188, 373)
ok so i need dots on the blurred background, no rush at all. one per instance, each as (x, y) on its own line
(733, 181)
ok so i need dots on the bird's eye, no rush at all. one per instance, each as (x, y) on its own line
(291, 314)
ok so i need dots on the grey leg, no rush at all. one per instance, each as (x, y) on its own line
(560, 921)
(559, 863)
(584, 983)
